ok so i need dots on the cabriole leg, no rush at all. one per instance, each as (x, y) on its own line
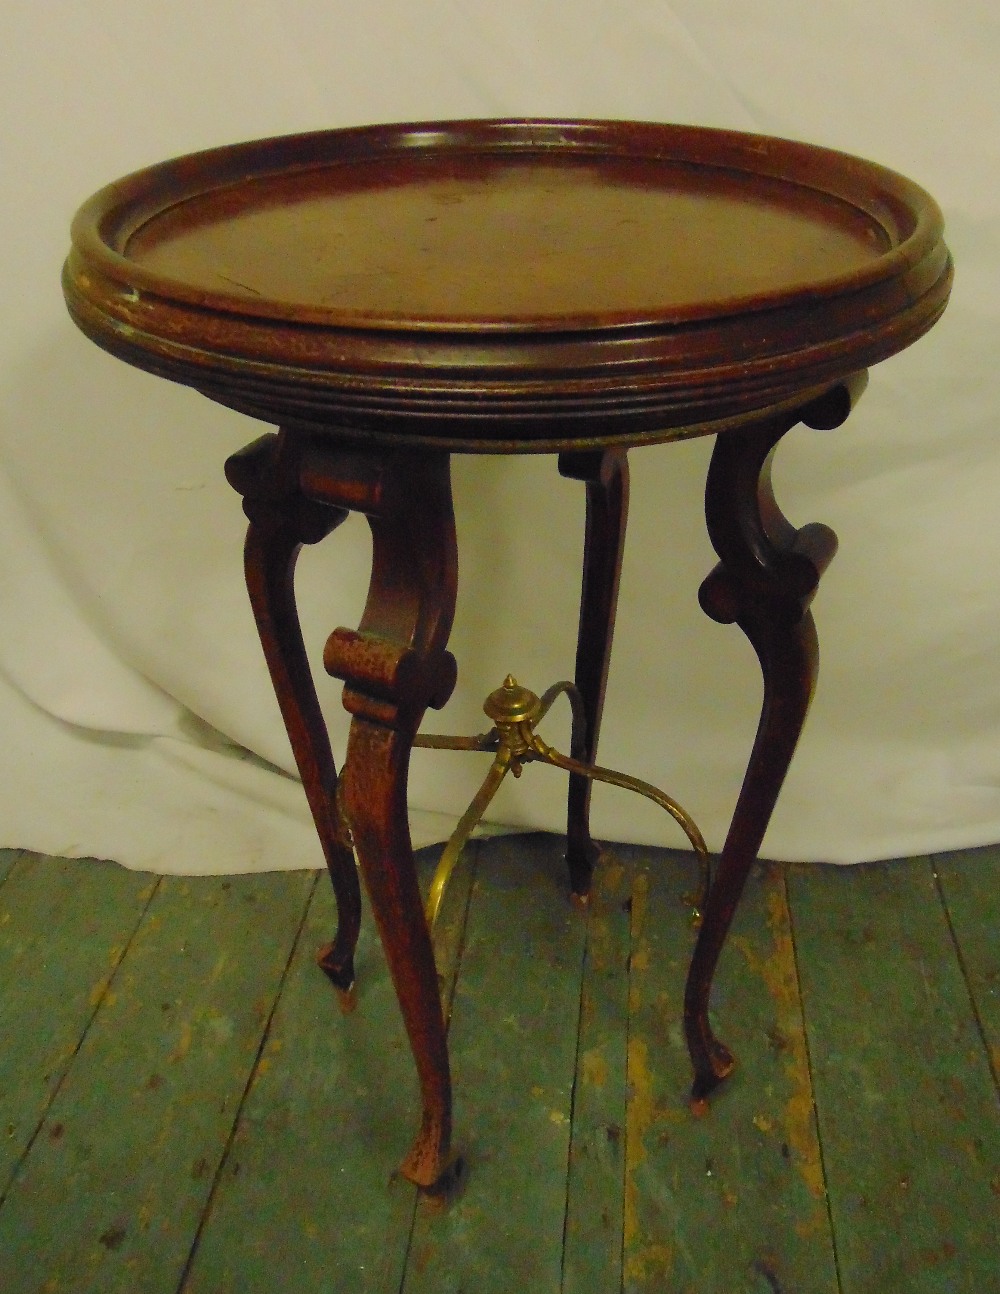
(394, 667)
(767, 575)
(605, 475)
(282, 519)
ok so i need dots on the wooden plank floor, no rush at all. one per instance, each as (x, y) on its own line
(184, 1109)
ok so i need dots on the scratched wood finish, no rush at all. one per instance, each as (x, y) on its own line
(728, 1196)
(970, 883)
(907, 1104)
(109, 1198)
(513, 1044)
(64, 926)
(308, 1200)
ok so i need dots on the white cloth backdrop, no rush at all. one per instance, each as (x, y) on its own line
(138, 720)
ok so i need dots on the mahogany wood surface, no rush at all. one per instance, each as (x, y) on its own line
(509, 284)
(394, 667)
(766, 578)
(282, 519)
(606, 476)
(388, 294)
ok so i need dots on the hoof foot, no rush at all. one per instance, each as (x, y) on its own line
(340, 972)
(722, 1063)
(448, 1184)
(433, 1172)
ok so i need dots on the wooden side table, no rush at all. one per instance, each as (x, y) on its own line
(390, 295)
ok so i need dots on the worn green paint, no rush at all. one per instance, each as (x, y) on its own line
(727, 1196)
(970, 883)
(907, 1107)
(308, 1199)
(592, 1260)
(8, 857)
(113, 1191)
(64, 925)
(111, 1194)
(513, 1047)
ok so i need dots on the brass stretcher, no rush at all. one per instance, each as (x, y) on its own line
(515, 711)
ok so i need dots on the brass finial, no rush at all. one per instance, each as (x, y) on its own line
(511, 703)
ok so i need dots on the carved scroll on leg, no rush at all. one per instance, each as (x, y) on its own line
(282, 519)
(393, 667)
(606, 477)
(767, 575)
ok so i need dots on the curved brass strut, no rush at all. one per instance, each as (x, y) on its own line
(515, 711)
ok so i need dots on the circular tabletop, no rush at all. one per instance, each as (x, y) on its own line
(496, 285)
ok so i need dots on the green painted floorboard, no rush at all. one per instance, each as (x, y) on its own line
(64, 925)
(308, 1199)
(8, 857)
(109, 1199)
(970, 884)
(136, 1028)
(729, 1197)
(907, 1107)
(513, 1046)
(592, 1258)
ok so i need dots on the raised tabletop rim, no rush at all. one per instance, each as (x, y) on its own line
(489, 384)
(121, 207)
